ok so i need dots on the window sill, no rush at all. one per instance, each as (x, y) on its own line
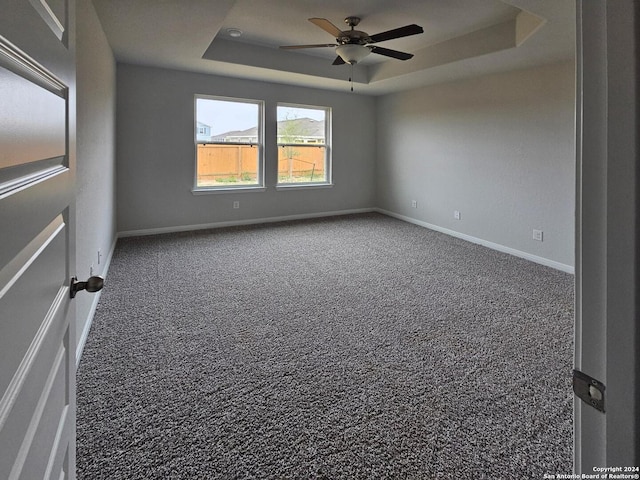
(214, 190)
(303, 186)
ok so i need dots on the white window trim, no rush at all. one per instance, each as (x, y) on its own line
(328, 159)
(253, 187)
(303, 186)
(218, 190)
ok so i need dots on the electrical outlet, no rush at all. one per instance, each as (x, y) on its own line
(99, 256)
(537, 235)
(456, 214)
(236, 204)
(414, 204)
(91, 270)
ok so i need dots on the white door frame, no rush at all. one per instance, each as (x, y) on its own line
(607, 344)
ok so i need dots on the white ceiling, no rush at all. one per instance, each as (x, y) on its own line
(462, 38)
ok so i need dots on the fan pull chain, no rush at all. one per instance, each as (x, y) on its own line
(351, 77)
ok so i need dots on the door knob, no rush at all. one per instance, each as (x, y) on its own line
(93, 284)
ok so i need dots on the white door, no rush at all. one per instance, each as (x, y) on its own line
(37, 148)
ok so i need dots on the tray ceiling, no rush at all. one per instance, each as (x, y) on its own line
(462, 38)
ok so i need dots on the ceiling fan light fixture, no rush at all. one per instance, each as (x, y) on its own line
(352, 53)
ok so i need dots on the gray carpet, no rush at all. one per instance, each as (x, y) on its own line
(342, 348)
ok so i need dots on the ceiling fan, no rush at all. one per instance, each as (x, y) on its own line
(354, 45)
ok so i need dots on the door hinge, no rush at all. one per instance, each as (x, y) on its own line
(589, 390)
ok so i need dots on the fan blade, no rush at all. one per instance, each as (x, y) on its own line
(327, 26)
(338, 61)
(295, 47)
(391, 53)
(397, 33)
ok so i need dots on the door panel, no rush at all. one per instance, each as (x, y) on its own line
(37, 128)
(40, 197)
(40, 410)
(37, 192)
(37, 363)
(43, 272)
(49, 417)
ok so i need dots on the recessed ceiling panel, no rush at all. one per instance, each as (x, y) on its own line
(194, 35)
(282, 22)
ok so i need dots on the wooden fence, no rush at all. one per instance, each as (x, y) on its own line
(301, 161)
(220, 162)
(239, 163)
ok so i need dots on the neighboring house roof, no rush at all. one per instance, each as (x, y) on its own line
(300, 127)
(304, 127)
(229, 136)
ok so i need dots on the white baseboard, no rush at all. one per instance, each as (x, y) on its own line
(235, 223)
(485, 243)
(96, 298)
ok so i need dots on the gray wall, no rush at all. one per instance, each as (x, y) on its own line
(500, 149)
(156, 152)
(95, 211)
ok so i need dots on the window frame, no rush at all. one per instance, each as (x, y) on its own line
(259, 144)
(328, 160)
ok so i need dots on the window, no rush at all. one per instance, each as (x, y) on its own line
(303, 145)
(228, 135)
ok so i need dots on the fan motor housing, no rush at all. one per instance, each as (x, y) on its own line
(354, 36)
